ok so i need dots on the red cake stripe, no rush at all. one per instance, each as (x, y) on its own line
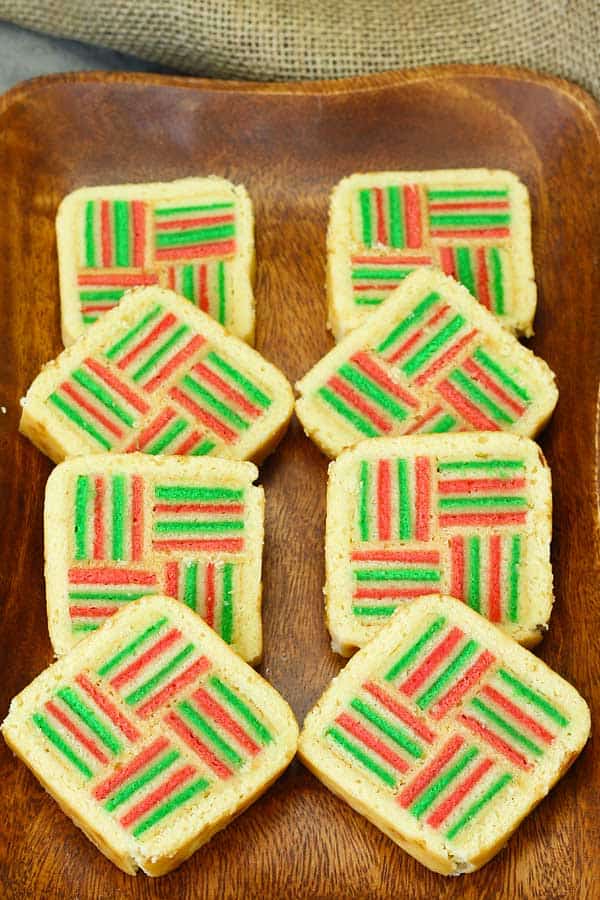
(431, 662)
(470, 232)
(198, 746)
(447, 261)
(401, 712)
(384, 512)
(471, 677)
(479, 205)
(189, 443)
(457, 563)
(358, 402)
(105, 235)
(468, 485)
(483, 378)
(219, 714)
(422, 498)
(197, 668)
(518, 714)
(409, 556)
(392, 593)
(468, 410)
(427, 775)
(353, 727)
(477, 519)
(494, 586)
(109, 575)
(139, 233)
(161, 793)
(148, 434)
(175, 362)
(137, 517)
(380, 212)
(108, 708)
(226, 545)
(203, 288)
(445, 358)
(226, 390)
(81, 401)
(117, 385)
(172, 579)
(209, 594)
(177, 224)
(196, 251)
(393, 260)
(105, 788)
(151, 653)
(137, 280)
(452, 800)
(226, 433)
(162, 326)
(412, 216)
(370, 368)
(98, 549)
(482, 278)
(90, 745)
(494, 741)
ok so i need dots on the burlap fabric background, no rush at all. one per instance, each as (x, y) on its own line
(298, 39)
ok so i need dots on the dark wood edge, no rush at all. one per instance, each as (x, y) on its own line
(382, 80)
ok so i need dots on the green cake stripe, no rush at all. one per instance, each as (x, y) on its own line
(488, 363)
(214, 402)
(227, 604)
(362, 757)
(476, 807)
(513, 569)
(148, 686)
(465, 269)
(194, 235)
(404, 502)
(121, 228)
(174, 803)
(422, 356)
(167, 437)
(78, 419)
(136, 784)
(87, 715)
(474, 596)
(501, 723)
(130, 335)
(396, 218)
(158, 354)
(178, 492)
(457, 665)
(379, 611)
(479, 397)
(487, 464)
(198, 526)
(372, 390)
(465, 193)
(411, 654)
(384, 574)
(495, 263)
(61, 745)
(533, 697)
(407, 323)
(190, 592)
(200, 724)
(260, 731)
(222, 293)
(364, 501)
(343, 410)
(441, 783)
(90, 241)
(251, 391)
(82, 497)
(130, 649)
(118, 514)
(365, 214)
(482, 501)
(397, 735)
(441, 219)
(166, 211)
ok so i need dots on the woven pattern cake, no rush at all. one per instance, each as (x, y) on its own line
(430, 359)
(444, 733)
(152, 734)
(473, 224)
(195, 236)
(118, 528)
(157, 375)
(464, 514)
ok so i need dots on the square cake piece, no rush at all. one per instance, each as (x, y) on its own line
(430, 359)
(473, 224)
(463, 514)
(194, 235)
(158, 375)
(119, 527)
(152, 734)
(445, 734)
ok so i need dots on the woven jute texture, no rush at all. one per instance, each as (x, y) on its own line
(306, 39)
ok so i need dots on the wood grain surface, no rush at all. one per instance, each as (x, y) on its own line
(289, 144)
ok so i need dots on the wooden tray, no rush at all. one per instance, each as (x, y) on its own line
(289, 144)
